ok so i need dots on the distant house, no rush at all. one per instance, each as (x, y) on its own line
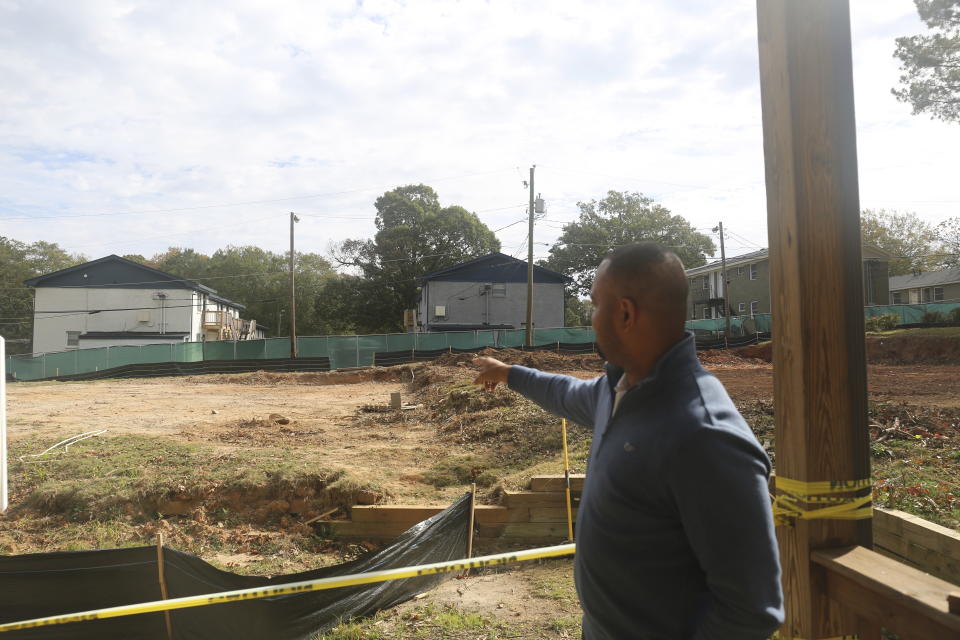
(114, 301)
(921, 288)
(489, 293)
(748, 276)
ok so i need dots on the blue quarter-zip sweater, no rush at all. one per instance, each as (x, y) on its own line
(674, 534)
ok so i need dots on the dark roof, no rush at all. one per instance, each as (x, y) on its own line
(869, 252)
(130, 334)
(495, 267)
(120, 273)
(753, 256)
(468, 327)
(928, 279)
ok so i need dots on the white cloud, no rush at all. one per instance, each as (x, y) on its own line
(119, 105)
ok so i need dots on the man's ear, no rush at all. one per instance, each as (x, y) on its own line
(627, 313)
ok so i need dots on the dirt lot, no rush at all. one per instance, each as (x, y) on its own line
(425, 453)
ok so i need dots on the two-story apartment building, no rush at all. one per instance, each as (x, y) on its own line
(114, 301)
(923, 288)
(747, 289)
(489, 292)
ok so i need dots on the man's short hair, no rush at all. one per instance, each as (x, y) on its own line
(652, 276)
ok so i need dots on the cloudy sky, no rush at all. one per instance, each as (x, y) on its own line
(129, 126)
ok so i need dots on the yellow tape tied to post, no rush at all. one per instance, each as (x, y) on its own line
(791, 503)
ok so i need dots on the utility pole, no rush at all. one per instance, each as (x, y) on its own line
(726, 287)
(293, 298)
(529, 338)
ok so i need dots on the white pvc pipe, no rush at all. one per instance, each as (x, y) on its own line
(3, 426)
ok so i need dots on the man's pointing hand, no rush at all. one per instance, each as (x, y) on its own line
(492, 372)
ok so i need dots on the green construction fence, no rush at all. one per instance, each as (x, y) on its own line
(358, 351)
(343, 351)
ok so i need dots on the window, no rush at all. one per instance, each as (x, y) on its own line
(73, 338)
(706, 283)
(739, 271)
(440, 311)
(742, 307)
(706, 313)
(754, 307)
(754, 271)
(896, 297)
(925, 295)
(937, 294)
(499, 289)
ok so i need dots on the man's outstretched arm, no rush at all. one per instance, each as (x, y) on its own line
(565, 396)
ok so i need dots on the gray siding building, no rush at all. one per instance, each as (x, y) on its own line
(921, 288)
(489, 292)
(747, 290)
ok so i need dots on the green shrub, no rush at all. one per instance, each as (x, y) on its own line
(886, 322)
(934, 317)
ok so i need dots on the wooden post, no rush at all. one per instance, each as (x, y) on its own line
(163, 584)
(813, 215)
(473, 505)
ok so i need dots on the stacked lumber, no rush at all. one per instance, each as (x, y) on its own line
(537, 514)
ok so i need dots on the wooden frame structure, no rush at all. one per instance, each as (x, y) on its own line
(834, 585)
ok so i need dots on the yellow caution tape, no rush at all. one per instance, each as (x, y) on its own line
(777, 636)
(295, 587)
(788, 506)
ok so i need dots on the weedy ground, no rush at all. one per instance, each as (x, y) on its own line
(216, 450)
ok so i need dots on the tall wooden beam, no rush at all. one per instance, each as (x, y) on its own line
(813, 214)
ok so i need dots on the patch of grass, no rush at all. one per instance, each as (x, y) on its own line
(556, 584)
(459, 470)
(567, 627)
(427, 621)
(134, 476)
(935, 332)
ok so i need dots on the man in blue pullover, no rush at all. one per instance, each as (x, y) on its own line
(674, 534)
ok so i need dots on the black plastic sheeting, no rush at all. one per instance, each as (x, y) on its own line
(390, 358)
(156, 369)
(47, 584)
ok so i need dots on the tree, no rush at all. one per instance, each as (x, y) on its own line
(415, 236)
(18, 262)
(931, 63)
(912, 242)
(256, 278)
(948, 233)
(577, 312)
(350, 304)
(622, 218)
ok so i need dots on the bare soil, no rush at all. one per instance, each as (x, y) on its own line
(345, 418)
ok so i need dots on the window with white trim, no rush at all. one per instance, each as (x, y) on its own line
(499, 290)
(754, 307)
(706, 283)
(739, 271)
(742, 307)
(73, 338)
(706, 313)
(754, 270)
(937, 294)
(925, 295)
(896, 297)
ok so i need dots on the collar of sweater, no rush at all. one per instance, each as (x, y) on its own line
(678, 359)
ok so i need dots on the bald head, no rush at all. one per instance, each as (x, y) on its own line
(652, 277)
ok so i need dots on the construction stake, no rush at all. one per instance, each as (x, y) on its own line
(163, 583)
(473, 504)
(566, 478)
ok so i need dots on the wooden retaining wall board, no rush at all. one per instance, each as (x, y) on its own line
(921, 544)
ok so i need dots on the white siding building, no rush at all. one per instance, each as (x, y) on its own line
(114, 301)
